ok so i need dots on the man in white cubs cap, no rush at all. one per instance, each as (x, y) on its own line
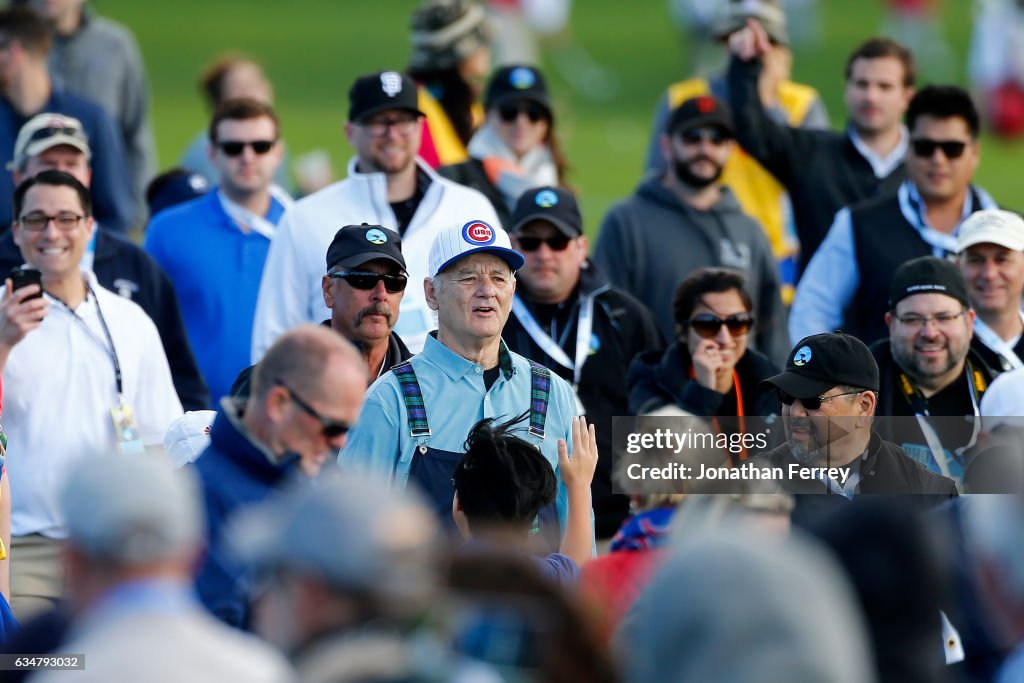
(990, 253)
(416, 418)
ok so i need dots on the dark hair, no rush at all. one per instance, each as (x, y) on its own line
(28, 28)
(502, 478)
(944, 102)
(242, 109)
(54, 179)
(211, 80)
(703, 281)
(453, 94)
(877, 48)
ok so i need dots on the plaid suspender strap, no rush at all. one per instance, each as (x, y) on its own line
(413, 399)
(540, 390)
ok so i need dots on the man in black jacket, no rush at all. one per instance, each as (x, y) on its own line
(823, 170)
(56, 142)
(567, 317)
(829, 393)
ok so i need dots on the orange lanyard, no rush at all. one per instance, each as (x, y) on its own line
(739, 408)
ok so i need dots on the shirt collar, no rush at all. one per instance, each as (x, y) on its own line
(882, 166)
(457, 367)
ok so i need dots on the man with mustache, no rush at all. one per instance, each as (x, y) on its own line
(932, 380)
(686, 219)
(829, 392)
(363, 287)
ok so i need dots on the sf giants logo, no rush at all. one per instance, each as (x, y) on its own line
(391, 83)
(478, 233)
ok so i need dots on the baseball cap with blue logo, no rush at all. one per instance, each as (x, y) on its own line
(464, 239)
(354, 245)
(822, 361)
(554, 205)
(517, 82)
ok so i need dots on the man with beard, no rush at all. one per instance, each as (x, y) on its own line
(928, 369)
(686, 219)
(363, 287)
(829, 394)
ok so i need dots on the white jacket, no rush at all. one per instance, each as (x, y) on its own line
(290, 291)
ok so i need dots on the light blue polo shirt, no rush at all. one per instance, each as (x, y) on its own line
(455, 399)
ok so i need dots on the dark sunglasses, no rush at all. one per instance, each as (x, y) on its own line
(556, 243)
(812, 403)
(52, 131)
(364, 279)
(332, 428)
(707, 325)
(233, 148)
(925, 148)
(510, 112)
(715, 136)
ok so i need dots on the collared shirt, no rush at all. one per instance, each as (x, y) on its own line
(833, 275)
(882, 166)
(455, 399)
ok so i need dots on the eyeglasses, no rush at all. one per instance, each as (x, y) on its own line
(332, 429)
(693, 136)
(556, 243)
(234, 148)
(364, 279)
(814, 402)
(509, 112)
(404, 126)
(53, 131)
(925, 148)
(707, 325)
(916, 322)
(37, 222)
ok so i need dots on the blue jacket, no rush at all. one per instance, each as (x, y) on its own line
(235, 473)
(216, 270)
(111, 187)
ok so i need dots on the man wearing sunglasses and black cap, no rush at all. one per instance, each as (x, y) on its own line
(829, 392)
(847, 281)
(567, 317)
(363, 287)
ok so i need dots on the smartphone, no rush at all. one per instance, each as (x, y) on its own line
(22, 276)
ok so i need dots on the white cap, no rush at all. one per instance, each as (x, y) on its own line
(132, 509)
(991, 226)
(1003, 402)
(188, 436)
(457, 241)
(46, 131)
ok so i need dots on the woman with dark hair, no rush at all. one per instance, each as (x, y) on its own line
(709, 371)
(516, 148)
(450, 61)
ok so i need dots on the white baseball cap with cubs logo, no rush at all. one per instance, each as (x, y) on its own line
(462, 239)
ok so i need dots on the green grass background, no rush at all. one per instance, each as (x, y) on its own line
(313, 49)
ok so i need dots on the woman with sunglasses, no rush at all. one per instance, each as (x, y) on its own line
(709, 371)
(516, 148)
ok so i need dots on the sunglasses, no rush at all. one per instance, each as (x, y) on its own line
(234, 148)
(510, 112)
(53, 131)
(925, 148)
(812, 403)
(556, 243)
(364, 279)
(707, 325)
(715, 136)
(332, 429)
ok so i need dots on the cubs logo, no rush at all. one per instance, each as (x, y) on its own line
(802, 356)
(478, 233)
(376, 237)
(391, 83)
(521, 78)
(545, 199)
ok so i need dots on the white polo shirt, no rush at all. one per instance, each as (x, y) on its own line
(59, 387)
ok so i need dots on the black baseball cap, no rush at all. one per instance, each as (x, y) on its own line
(552, 204)
(354, 245)
(704, 110)
(517, 82)
(822, 361)
(381, 91)
(927, 275)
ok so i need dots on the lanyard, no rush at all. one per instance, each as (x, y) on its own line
(741, 418)
(106, 331)
(993, 341)
(976, 384)
(584, 325)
